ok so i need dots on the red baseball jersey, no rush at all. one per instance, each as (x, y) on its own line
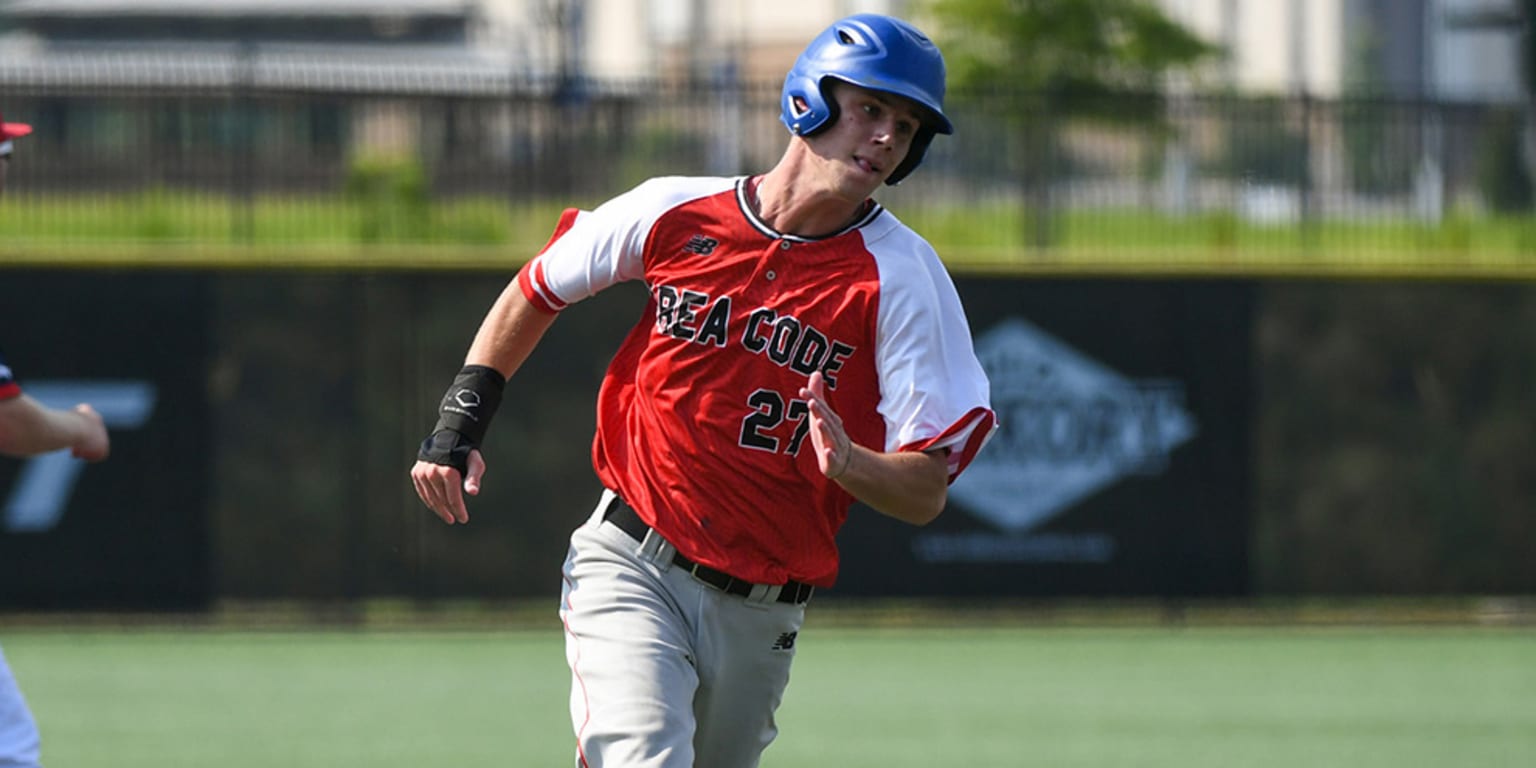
(700, 426)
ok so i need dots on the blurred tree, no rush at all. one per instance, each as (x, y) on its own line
(1373, 144)
(1073, 52)
(1045, 61)
(1501, 177)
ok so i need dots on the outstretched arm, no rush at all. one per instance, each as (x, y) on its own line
(911, 487)
(507, 335)
(28, 428)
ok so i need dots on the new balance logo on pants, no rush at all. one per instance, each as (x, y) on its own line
(785, 642)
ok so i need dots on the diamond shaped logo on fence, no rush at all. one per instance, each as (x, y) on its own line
(1069, 427)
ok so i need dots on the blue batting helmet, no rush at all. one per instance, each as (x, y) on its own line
(877, 52)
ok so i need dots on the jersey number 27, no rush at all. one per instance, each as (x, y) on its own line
(769, 413)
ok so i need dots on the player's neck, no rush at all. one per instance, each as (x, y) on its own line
(785, 202)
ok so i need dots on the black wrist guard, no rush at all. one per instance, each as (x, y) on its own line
(447, 447)
(463, 417)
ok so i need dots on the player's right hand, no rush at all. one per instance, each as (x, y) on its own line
(94, 444)
(442, 489)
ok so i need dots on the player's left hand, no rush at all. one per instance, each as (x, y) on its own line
(834, 450)
(442, 488)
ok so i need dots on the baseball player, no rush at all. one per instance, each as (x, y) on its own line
(9, 131)
(801, 349)
(28, 428)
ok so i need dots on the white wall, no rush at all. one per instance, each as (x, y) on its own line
(1476, 64)
(629, 38)
(1272, 46)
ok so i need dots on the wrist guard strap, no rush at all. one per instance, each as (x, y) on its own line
(463, 416)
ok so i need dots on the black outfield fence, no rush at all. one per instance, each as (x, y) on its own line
(1173, 438)
(134, 531)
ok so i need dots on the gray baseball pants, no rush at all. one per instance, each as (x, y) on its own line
(667, 671)
(18, 732)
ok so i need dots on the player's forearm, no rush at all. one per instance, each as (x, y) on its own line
(509, 333)
(911, 487)
(27, 428)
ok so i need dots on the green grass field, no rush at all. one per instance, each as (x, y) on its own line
(161, 228)
(892, 697)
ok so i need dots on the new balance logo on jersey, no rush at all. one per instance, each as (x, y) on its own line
(786, 641)
(701, 245)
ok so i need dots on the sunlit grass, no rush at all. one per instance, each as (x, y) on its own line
(469, 231)
(895, 697)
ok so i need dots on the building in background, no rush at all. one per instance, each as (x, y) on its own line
(1459, 50)
(150, 39)
(130, 51)
(1415, 63)
(346, 48)
(284, 95)
(528, 38)
(1452, 49)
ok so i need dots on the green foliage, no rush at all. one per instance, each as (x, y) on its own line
(95, 229)
(481, 222)
(1223, 227)
(391, 198)
(1501, 173)
(1377, 164)
(660, 147)
(1044, 62)
(1454, 235)
(156, 217)
(1075, 51)
(1264, 146)
(1528, 45)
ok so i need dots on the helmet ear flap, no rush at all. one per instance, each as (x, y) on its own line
(807, 109)
(829, 110)
(915, 152)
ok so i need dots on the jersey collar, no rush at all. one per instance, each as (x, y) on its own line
(745, 204)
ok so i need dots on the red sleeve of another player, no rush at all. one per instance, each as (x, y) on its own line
(8, 386)
(531, 277)
(977, 426)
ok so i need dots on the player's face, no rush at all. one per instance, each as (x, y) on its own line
(873, 132)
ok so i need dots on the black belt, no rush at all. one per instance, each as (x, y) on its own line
(627, 520)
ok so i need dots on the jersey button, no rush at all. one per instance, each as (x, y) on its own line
(770, 274)
(784, 245)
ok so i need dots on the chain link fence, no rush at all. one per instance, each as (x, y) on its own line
(254, 148)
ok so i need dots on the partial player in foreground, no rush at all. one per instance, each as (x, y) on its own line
(8, 132)
(28, 428)
(802, 349)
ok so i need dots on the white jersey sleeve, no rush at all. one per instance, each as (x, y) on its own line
(603, 247)
(934, 392)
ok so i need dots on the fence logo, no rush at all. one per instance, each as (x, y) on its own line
(36, 503)
(1069, 427)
